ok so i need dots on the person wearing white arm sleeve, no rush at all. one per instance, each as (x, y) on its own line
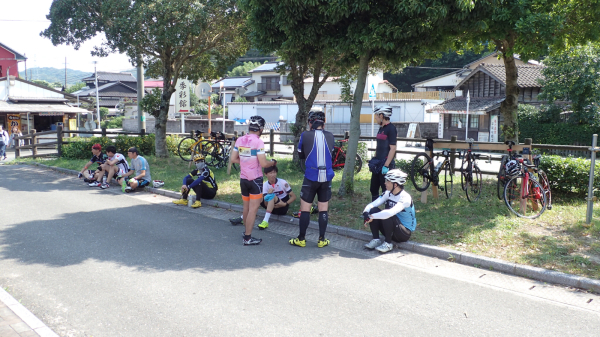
(397, 220)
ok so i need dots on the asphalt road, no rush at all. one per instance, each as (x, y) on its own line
(90, 262)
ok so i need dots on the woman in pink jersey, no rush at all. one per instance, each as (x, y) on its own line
(249, 152)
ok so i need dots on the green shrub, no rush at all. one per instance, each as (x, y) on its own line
(81, 148)
(114, 123)
(570, 175)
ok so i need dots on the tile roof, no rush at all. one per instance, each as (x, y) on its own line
(229, 82)
(528, 74)
(269, 66)
(105, 90)
(477, 104)
(113, 77)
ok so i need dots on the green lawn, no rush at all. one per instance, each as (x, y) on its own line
(558, 240)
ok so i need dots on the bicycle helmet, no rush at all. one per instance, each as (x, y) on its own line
(385, 110)
(256, 123)
(316, 117)
(512, 168)
(199, 161)
(396, 176)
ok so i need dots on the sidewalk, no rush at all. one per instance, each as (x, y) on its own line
(17, 321)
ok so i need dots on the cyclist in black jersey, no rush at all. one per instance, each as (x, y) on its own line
(204, 185)
(385, 152)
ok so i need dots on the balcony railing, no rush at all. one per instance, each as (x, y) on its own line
(267, 86)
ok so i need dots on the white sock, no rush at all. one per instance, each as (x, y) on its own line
(242, 216)
(267, 216)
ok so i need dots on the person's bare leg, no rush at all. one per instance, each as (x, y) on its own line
(249, 218)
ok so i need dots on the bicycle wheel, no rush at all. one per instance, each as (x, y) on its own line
(358, 164)
(419, 173)
(525, 201)
(474, 184)
(501, 177)
(212, 152)
(185, 149)
(447, 180)
(464, 173)
(543, 180)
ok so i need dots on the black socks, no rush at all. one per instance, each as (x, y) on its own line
(323, 219)
(304, 222)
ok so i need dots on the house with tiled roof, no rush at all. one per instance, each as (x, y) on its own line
(105, 77)
(486, 87)
(110, 94)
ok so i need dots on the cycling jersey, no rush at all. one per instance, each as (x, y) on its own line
(316, 146)
(121, 163)
(138, 164)
(400, 205)
(281, 188)
(249, 147)
(206, 177)
(386, 136)
(99, 159)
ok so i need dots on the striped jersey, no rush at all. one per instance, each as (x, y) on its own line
(249, 147)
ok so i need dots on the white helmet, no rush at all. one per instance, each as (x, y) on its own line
(158, 183)
(386, 110)
(396, 176)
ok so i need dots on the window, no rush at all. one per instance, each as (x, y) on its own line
(474, 122)
(455, 119)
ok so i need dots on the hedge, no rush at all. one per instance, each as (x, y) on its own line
(80, 148)
(570, 175)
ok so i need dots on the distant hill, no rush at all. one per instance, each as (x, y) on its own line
(52, 75)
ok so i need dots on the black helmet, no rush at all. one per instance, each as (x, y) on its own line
(316, 115)
(256, 123)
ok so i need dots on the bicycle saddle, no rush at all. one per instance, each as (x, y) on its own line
(509, 142)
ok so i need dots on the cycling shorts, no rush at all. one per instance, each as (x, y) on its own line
(251, 189)
(310, 189)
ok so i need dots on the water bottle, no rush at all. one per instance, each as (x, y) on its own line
(438, 166)
(191, 200)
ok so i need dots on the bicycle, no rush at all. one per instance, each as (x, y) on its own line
(523, 194)
(191, 145)
(338, 158)
(502, 177)
(424, 172)
(471, 178)
(223, 148)
(543, 180)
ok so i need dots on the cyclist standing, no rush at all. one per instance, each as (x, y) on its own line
(315, 147)
(249, 152)
(397, 221)
(385, 151)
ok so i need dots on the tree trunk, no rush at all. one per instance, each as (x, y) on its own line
(509, 107)
(160, 133)
(347, 186)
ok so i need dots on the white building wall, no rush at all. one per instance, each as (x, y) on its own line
(21, 89)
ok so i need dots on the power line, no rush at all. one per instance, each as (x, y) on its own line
(16, 20)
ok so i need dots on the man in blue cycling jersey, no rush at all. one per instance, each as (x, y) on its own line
(315, 147)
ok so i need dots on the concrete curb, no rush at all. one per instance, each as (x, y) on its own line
(465, 258)
(25, 315)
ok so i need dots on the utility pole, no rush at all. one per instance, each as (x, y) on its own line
(97, 99)
(65, 74)
(140, 95)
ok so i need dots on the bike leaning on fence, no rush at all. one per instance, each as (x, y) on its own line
(192, 145)
(424, 172)
(502, 176)
(470, 174)
(523, 193)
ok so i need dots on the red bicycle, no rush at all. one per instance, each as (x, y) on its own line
(338, 158)
(524, 195)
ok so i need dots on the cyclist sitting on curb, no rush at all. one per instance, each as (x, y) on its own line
(277, 194)
(204, 186)
(139, 168)
(385, 151)
(114, 166)
(90, 176)
(249, 152)
(315, 147)
(397, 221)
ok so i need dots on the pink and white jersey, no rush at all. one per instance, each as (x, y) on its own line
(249, 147)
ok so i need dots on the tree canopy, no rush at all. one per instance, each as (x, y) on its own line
(573, 79)
(243, 70)
(187, 39)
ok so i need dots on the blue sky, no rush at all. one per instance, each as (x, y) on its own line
(21, 23)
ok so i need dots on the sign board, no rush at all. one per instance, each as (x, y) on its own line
(13, 120)
(413, 131)
(182, 96)
(483, 136)
(494, 128)
(372, 93)
(441, 127)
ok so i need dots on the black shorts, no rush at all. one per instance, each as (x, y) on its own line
(280, 210)
(311, 188)
(251, 189)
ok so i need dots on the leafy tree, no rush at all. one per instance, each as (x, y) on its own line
(175, 39)
(393, 33)
(574, 77)
(103, 113)
(75, 87)
(300, 33)
(531, 28)
(243, 69)
(42, 82)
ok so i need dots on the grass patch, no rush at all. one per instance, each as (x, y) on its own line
(558, 240)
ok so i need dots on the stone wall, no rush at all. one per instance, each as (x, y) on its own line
(174, 126)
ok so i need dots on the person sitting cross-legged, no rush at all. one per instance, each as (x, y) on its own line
(397, 221)
(204, 186)
(139, 169)
(277, 196)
